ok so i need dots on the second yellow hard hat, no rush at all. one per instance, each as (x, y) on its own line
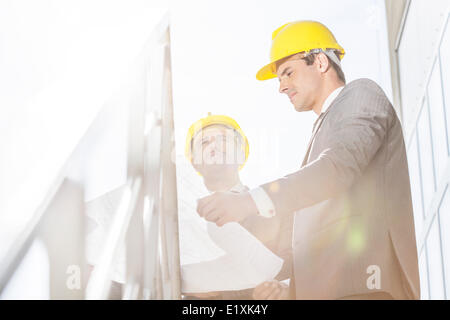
(211, 120)
(295, 37)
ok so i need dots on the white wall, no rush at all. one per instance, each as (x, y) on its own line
(417, 48)
(424, 74)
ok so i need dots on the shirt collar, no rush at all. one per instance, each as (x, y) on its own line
(330, 99)
(239, 187)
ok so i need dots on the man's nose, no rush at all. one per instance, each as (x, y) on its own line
(210, 145)
(283, 87)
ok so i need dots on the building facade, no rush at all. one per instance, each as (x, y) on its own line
(419, 38)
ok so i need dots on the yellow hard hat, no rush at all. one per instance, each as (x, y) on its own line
(296, 37)
(210, 120)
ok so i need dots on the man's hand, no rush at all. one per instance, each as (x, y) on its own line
(224, 207)
(204, 295)
(272, 290)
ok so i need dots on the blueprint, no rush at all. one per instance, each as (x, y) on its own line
(219, 258)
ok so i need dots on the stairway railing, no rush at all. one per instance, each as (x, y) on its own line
(146, 219)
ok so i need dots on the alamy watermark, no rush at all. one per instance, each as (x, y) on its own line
(374, 280)
(73, 281)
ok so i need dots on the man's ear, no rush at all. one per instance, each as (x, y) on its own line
(322, 62)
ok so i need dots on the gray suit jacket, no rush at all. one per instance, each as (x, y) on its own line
(352, 202)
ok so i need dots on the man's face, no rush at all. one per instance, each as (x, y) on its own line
(216, 150)
(299, 82)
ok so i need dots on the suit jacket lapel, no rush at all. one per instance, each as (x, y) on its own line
(316, 127)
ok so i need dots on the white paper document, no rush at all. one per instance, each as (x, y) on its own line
(229, 258)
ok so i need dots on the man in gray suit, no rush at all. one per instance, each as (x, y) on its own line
(353, 233)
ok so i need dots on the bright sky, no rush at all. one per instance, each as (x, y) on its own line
(217, 48)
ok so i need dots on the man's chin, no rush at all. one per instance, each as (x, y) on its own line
(302, 108)
(215, 170)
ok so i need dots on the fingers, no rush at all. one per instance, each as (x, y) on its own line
(257, 291)
(215, 208)
(275, 294)
(202, 203)
(264, 295)
(203, 295)
(221, 221)
(209, 210)
(266, 290)
(218, 218)
(213, 216)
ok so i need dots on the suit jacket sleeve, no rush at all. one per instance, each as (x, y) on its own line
(356, 127)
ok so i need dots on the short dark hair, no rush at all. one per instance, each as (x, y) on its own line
(309, 59)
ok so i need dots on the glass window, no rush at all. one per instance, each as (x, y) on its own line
(423, 273)
(438, 130)
(422, 25)
(426, 158)
(444, 221)
(444, 52)
(416, 192)
(436, 280)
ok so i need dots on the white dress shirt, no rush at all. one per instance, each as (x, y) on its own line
(263, 202)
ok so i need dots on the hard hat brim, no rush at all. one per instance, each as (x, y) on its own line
(266, 72)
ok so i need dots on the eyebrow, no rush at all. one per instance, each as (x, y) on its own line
(199, 139)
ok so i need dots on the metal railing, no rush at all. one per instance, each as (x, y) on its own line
(146, 219)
